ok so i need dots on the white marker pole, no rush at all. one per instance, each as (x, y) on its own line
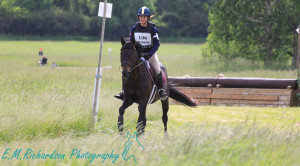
(98, 71)
(109, 50)
(298, 29)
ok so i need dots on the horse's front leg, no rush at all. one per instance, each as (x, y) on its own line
(165, 107)
(141, 124)
(126, 104)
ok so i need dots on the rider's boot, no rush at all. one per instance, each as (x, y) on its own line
(161, 91)
(121, 95)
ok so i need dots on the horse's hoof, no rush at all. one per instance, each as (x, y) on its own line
(164, 99)
(166, 135)
(121, 133)
(140, 133)
(120, 128)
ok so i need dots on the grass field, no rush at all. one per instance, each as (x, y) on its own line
(49, 109)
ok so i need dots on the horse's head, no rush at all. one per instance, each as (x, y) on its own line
(129, 57)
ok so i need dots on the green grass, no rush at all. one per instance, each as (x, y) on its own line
(48, 109)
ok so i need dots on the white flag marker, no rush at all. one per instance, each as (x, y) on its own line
(105, 10)
(108, 10)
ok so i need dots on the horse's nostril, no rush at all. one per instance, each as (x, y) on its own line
(125, 74)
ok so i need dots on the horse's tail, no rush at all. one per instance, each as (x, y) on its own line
(178, 96)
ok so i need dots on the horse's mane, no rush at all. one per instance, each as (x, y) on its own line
(132, 46)
(128, 45)
(128, 52)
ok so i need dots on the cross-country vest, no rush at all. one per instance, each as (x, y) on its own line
(144, 36)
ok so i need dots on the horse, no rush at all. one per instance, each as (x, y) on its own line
(138, 87)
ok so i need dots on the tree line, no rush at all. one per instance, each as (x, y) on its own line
(261, 30)
(175, 18)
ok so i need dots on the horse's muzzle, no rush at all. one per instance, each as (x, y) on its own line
(125, 74)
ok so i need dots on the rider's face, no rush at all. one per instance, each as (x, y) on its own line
(143, 19)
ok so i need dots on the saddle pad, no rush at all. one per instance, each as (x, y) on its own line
(153, 74)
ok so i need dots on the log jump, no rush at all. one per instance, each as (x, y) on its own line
(239, 91)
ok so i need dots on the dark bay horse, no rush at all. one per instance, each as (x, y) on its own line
(137, 85)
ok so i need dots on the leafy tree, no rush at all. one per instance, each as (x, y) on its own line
(180, 18)
(124, 16)
(8, 13)
(31, 5)
(63, 4)
(259, 30)
(174, 18)
(7, 8)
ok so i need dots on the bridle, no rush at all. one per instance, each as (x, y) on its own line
(129, 64)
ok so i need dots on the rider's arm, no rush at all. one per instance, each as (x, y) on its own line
(155, 41)
(132, 35)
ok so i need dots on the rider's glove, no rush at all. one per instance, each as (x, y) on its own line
(142, 58)
(145, 61)
(146, 56)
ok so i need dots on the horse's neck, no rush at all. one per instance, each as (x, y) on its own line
(138, 72)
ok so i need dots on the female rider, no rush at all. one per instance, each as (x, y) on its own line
(146, 34)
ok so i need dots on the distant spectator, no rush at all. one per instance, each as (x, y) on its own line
(41, 52)
(53, 64)
(44, 60)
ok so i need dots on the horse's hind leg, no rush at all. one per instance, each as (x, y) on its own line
(141, 124)
(126, 104)
(165, 107)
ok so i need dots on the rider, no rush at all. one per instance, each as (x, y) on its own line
(146, 34)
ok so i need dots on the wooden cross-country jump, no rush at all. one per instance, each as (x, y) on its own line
(239, 91)
(242, 91)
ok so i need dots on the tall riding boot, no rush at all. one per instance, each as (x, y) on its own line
(121, 95)
(161, 91)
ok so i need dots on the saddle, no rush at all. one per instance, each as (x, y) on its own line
(152, 73)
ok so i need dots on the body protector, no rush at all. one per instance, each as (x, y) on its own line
(144, 36)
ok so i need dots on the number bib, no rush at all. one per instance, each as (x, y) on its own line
(144, 38)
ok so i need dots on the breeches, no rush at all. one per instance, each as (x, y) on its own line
(155, 63)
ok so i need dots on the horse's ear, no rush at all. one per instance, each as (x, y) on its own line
(138, 46)
(122, 40)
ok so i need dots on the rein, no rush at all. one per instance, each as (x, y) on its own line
(131, 65)
(136, 66)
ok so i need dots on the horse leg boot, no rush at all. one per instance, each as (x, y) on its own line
(121, 95)
(165, 108)
(141, 124)
(126, 104)
(161, 90)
